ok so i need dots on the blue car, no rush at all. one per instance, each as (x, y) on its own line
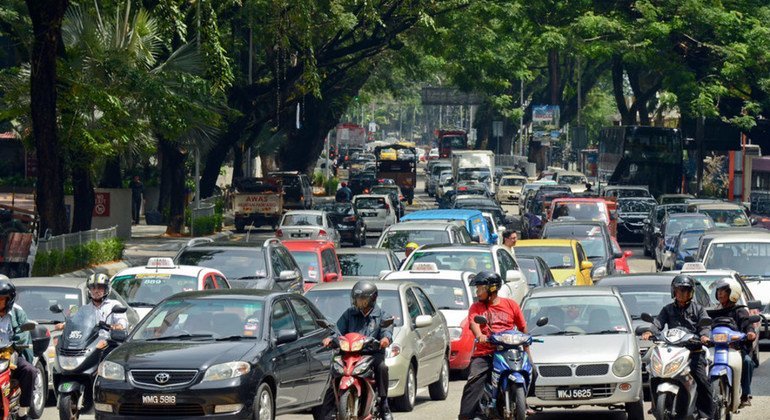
(473, 221)
(686, 245)
(673, 223)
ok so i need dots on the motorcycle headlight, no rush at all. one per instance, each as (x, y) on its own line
(4, 365)
(512, 339)
(455, 333)
(717, 338)
(600, 271)
(623, 366)
(112, 371)
(363, 366)
(570, 281)
(656, 366)
(227, 370)
(70, 362)
(393, 350)
(344, 345)
(357, 346)
(675, 366)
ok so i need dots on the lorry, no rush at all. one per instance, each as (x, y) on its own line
(17, 227)
(467, 164)
(402, 169)
(449, 141)
(257, 202)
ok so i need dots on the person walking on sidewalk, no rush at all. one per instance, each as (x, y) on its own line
(137, 193)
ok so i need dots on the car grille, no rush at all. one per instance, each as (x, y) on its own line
(178, 410)
(592, 370)
(555, 371)
(561, 371)
(176, 377)
(71, 352)
(597, 391)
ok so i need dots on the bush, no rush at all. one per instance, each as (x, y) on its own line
(50, 263)
(331, 186)
(207, 225)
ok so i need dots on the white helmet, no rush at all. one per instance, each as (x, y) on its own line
(731, 285)
(4, 277)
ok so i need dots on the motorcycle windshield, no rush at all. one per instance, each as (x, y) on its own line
(80, 328)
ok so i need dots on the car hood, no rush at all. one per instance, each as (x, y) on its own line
(179, 355)
(604, 348)
(760, 289)
(561, 274)
(454, 317)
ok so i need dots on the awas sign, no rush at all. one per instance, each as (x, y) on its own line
(257, 203)
(102, 204)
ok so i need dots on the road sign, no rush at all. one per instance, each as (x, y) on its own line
(102, 204)
(497, 128)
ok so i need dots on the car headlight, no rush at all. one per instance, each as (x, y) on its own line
(393, 350)
(70, 362)
(455, 333)
(623, 366)
(569, 281)
(227, 370)
(112, 371)
(600, 271)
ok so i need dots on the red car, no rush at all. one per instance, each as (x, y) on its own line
(317, 260)
(621, 264)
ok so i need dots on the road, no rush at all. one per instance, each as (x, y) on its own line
(450, 407)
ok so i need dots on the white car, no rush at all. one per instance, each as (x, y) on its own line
(377, 210)
(422, 232)
(576, 180)
(306, 225)
(494, 227)
(144, 287)
(509, 188)
(445, 183)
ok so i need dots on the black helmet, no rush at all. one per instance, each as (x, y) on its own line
(364, 289)
(8, 289)
(683, 281)
(492, 280)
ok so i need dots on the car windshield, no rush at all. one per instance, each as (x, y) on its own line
(708, 281)
(363, 264)
(233, 263)
(307, 262)
(675, 199)
(151, 288)
(370, 203)
(556, 257)
(332, 303)
(727, 217)
(396, 240)
(385, 190)
(690, 241)
(636, 206)
(676, 225)
(438, 169)
(572, 179)
(444, 293)
(453, 260)
(578, 315)
(302, 220)
(511, 182)
(36, 301)
(644, 298)
(582, 211)
(202, 319)
(750, 259)
(593, 247)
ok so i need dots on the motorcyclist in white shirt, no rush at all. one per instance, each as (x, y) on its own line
(98, 285)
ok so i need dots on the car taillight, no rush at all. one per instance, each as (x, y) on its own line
(322, 232)
(279, 233)
(350, 219)
(387, 206)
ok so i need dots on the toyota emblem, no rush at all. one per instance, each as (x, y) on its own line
(162, 378)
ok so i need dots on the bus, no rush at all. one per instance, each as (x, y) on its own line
(649, 156)
(449, 140)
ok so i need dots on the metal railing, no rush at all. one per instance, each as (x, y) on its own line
(69, 240)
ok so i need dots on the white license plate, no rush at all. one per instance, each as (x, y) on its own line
(573, 393)
(158, 399)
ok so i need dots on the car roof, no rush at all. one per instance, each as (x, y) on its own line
(579, 200)
(422, 225)
(457, 247)
(718, 206)
(49, 281)
(225, 245)
(570, 173)
(640, 279)
(545, 242)
(738, 239)
(572, 291)
(311, 212)
(307, 245)
(449, 214)
(348, 285)
(626, 187)
(515, 176)
(184, 270)
(402, 275)
(353, 251)
(256, 294)
(370, 196)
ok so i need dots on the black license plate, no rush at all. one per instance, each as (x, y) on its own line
(574, 393)
(300, 235)
(163, 399)
(369, 214)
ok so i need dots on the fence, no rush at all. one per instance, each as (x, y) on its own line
(68, 240)
(509, 160)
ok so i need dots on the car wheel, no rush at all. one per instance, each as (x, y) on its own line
(406, 402)
(39, 393)
(240, 227)
(440, 389)
(264, 407)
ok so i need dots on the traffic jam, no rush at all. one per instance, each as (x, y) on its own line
(357, 302)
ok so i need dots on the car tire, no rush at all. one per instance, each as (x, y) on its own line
(405, 403)
(646, 250)
(264, 403)
(40, 392)
(440, 389)
(240, 227)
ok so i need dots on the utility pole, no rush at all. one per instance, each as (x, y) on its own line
(521, 118)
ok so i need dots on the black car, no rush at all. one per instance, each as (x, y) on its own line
(481, 204)
(632, 212)
(236, 354)
(362, 182)
(594, 237)
(297, 189)
(536, 271)
(652, 225)
(267, 266)
(346, 220)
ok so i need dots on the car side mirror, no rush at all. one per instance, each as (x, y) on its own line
(586, 265)
(617, 255)
(689, 259)
(285, 336)
(513, 275)
(330, 277)
(542, 321)
(628, 254)
(118, 336)
(480, 319)
(56, 308)
(755, 304)
(647, 317)
(119, 309)
(423, 321)
(287, 275)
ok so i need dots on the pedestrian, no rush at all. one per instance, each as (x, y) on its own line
(509, 240)
(137, 194)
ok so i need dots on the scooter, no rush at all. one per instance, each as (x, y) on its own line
(727, 366)
(81, 347)
(505, 395)
(9, 354)
(672, 386)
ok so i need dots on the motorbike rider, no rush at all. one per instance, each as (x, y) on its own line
(98, 285)
(344, 194)
(502, 314)
(728, 293)
(410, 247)
(24, 371)
(685, 314)
(364, 317)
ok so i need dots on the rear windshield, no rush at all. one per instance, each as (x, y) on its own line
(572, 179)
(636, 206)
(676, 225)
(507, 182)
(363, 264)
(307, 263)
(729, 217)
(370, 203)
(233, 263)
(302, 220)
(582, 211)
(556, 257)
(396, 240)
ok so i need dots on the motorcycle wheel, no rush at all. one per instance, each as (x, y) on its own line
(40, 392)
(662, 404)
(519, 400)
(68, 406)
(347, 409)
(719, 394)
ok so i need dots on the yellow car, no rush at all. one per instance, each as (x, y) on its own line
(565, 257)
(388, 154)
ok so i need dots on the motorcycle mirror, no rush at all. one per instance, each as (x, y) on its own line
(647, 317)
(480, 319)
(56, 308)
(641, 329)
(542, 321)
(704, 322)
(387, 322)
(28, 326)
(118, 309)
(753, 319)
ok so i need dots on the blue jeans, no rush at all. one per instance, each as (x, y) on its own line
(747, 374)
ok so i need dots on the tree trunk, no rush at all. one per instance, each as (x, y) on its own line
(238, 161)
(215, 158)
(554, 79)
(46, 16)
(626, 115)
(111, 177)
(83, 188)
(172, 186)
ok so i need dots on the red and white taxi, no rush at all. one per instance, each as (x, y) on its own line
(317, 260)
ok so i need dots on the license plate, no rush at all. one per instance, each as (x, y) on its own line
(369, 214)
(573, 393)
(158, 399)
(300, 235)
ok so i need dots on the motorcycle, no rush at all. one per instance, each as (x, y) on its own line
(672, 386)
(9, 353)
(511, 374)
(81, 347)
(727, 367)
(355, 390)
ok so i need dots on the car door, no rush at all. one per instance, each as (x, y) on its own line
(585, 275)
(208, 282)
(330, 264)
(332, 229)
(516, 288)
(420, 337)
(310, 340)
(436, 338)
(290, 360)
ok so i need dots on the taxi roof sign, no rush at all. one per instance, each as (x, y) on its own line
(160, 262)
(424, 267)
(693, 266)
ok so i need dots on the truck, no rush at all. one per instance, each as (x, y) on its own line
(449, 141)
(257, 202)
(402, 169)
(17, 227)
(467, 163)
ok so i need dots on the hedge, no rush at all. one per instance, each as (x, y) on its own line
(206, 225)
(50, 263)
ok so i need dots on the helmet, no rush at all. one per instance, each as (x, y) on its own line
(344, 184)
(682, 281)
(364, 289)
(412, 246)
(99, 279)
(492, 280)
(4, 277)
(732, 286)
(8, 289)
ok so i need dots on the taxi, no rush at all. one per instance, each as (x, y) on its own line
(144, 287)
(317, 260)
(565, 257)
